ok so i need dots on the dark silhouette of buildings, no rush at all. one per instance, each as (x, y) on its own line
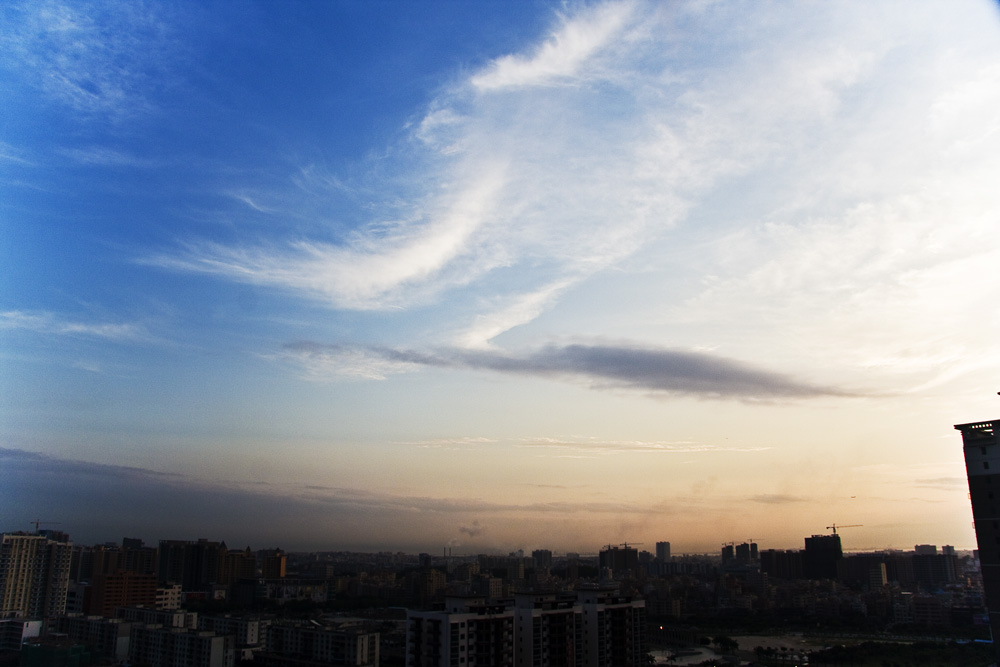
(821, 556)
(621, 560)
(981, 443)
(593, 627)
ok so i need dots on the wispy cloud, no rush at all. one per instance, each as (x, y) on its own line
(561, 57)
(765, 155)
(605, 366)
(108, 157)
(594, 447)
(942, 483)
(452, 442)
(49, 323)
(379, 269)
(98, 59)
(13, 154)
(776, 499)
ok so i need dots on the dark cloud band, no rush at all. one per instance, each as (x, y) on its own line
(662, 371)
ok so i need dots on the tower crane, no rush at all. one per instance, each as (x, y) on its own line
(626, 545)
(834, 527)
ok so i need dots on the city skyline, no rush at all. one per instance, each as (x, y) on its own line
(510, 275)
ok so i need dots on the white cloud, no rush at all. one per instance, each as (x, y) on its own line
(48, 323)
(594, 447)
(524, 308)
(377, 269)
(562, 56)
(98, 59)
(107, 157)
(824, 174)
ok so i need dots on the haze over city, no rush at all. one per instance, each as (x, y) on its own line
(490, 276)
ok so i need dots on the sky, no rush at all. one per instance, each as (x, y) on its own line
(498, 275)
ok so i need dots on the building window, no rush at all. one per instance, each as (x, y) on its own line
(986, 464)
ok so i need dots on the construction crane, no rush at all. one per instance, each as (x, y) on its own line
(834, 527)
(623, 544)
(39, 522)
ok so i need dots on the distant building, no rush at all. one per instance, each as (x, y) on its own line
(236, 565)
(663, 550)
(176, 618)
(121, 589)
(621, 560)
(307, 644)
(48, 651)
(821, 556)
(747, 552)
(105, 637)
(192, 564)
(34, 575)
(158, 646)
(981, 443)
(250, 632)
(274, 565)
(168, 596)
(542, 558)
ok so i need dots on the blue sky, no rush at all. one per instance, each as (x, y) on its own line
(496, 275)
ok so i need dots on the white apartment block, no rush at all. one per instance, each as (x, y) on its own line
(34, 575)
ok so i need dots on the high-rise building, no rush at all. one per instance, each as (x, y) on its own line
(821, 556)
(614, 629)
(781, 564)
(34, 575)
(596, 627)
(621, 560)
(469, 631)
(192, 564)
(542, 558)
(548, 630)
(747, 552)
(663, 550)
(981, 442)
(121, 589)
(274, 565)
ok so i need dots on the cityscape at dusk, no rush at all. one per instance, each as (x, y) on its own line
(480, 278)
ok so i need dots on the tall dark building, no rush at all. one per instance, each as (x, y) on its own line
(821, 556)
(194, 565)
(781, 564)
(982, 465)
(620, 560)
(543, 558)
